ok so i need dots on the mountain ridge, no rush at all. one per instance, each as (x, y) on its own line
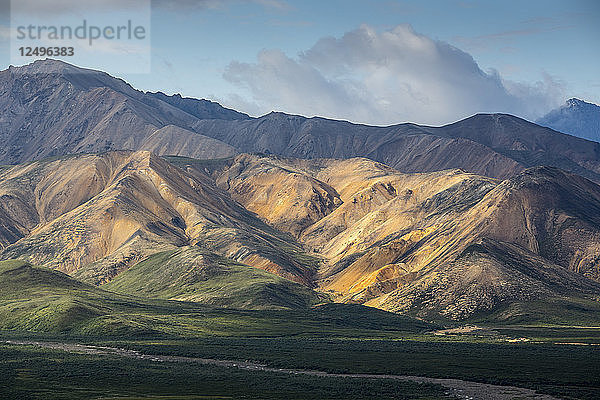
(110, 211)
(170, 125)
(394, 238)
(446, 244)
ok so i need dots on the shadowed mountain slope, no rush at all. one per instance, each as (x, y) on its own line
(51, 108)
(199, 108)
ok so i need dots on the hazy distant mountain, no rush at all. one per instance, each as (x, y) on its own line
(577, 118)
(495, 145)
(52, 108)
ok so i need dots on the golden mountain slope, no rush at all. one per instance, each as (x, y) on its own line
(486, 277)
(95, 215)
(447, 243)
(285, 196)
(433, 242)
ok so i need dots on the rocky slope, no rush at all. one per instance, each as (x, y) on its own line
(94, 216)
(50, 108)
(444, 243)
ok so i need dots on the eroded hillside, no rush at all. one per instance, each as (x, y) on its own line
(94, 216)
(448, 242)
(445, 244)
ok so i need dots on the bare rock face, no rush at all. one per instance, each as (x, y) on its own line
(50, 108)
(495, 145)
(286, 197)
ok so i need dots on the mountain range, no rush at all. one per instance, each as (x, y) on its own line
(51, 108)
(170, 198)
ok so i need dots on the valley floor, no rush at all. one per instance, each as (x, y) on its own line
(471, 363)
(457, 388)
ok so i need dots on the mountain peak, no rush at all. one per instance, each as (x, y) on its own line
(49, 66)
(574, 102)
(491, 118)
(576, 117)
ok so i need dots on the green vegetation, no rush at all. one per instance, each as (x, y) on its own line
(41, 300)
(36, 299)
(329, 337)
(567, 371)
(553, 334)
(33, 373)
(193, 274)
(547, 312)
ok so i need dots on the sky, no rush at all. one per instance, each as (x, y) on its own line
(378, 61)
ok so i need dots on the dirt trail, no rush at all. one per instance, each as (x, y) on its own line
(458, 388)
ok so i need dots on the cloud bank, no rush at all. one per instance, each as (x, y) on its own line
(385, 78)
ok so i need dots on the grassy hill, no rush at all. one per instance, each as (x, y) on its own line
(37, 299)
(193, 274)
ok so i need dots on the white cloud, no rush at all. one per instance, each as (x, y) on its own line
(383, 78)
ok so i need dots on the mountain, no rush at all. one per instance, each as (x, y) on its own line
(268, 232)
(94, 216)
(446, 243)
(288, 198)
(148, 194)
(576, 117)
(50, 108)
(495, 145)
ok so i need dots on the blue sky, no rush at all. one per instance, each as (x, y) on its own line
(374, 61)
